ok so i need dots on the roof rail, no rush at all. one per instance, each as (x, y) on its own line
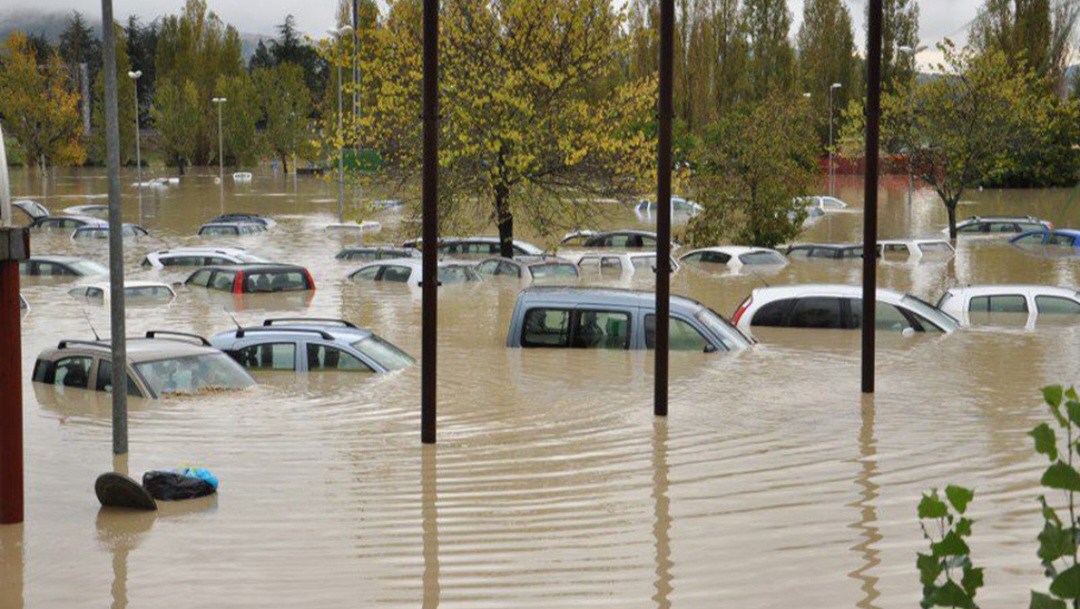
(64, 344)
(325, 320)
(323, 334)
(169, 333)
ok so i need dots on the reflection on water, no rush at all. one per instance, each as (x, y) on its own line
(553, 484)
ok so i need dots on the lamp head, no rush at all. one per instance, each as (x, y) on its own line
(135, 75)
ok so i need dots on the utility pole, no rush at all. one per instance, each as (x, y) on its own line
(430, 195)
(663, 206)
(219, 102)
(832, 170)
(870, 214)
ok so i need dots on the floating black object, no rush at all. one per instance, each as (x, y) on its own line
(171, 486)
(117, 490)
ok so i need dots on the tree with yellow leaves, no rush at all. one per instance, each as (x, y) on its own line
(532, 125)
(38, 108)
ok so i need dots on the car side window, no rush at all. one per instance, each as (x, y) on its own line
(816, 312)
(799, 253)
(681, 335)
(223, 280)
(73, 372)
(820, 252)
(488, 267)
(546, 328)
(104, 379)
(589, 263)
(601, 330)
(1055, 305)
(367, 273)
(765, 258)
(772, 315)
(324, 358)
(1059, 239)
(1004, 227)
(886, 316)
(201, 278)
(1031, 238)
(715, 257)
(95, 296)
(267, 356)
(974, 227)
(511, 270)
(611, 264)
(998, 304)
(396, 274)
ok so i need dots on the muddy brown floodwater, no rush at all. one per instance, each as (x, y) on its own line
(773, 483)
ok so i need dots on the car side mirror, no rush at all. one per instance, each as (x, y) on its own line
(908, 332)
(711, 348)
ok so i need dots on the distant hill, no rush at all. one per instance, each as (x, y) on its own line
(52, 24)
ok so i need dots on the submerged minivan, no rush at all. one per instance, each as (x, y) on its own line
(609, 318)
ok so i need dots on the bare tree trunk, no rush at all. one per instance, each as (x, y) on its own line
(505, 219)
(951, 207)
(285, 163)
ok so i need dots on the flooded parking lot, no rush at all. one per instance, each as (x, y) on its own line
(552, 485)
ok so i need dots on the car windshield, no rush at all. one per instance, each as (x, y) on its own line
(217, 231)
(92, 233)
(930, 312)
(553, 270)
(88, 267)
(761, 258)
(194, 374)
(728, 333)
(389, 356)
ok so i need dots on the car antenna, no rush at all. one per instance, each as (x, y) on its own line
(759, 278)
(90, 323)
(238, 326)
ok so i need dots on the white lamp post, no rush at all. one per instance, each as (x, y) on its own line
(832, 169)
(138, 153)
(338, 33)
(220, 140)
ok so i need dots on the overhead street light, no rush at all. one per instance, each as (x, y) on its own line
(832, 169)
(138, 153)
(220, 101)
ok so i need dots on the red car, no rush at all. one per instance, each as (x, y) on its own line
(253, 278)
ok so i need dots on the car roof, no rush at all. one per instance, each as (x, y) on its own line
(605, 296)
(413, 262)
(59, 259)
(128, 283)
(835, 246)
(625, 231)
(979, 290)
(732, 250)
(300, 329)
(227, 251)
(254, 266)
(82, 217)
(101, 224)
(232, 223)
(1002, 218)
(1072, 232)
(818, 289)
(139, 349)
(912, 241)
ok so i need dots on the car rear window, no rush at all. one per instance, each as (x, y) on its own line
(553, 270)
(275, 281)
(761, 258)
(200, 278)
(1056, 305)
(223, 280)
(217, 231)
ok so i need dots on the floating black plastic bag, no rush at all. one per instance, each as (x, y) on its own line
(171, 486)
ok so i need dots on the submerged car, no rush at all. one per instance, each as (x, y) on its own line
(101, 231)
(735, 256)
(528, 267)
(476, 246)
(838, 307)
(914, 249)
(647, 210)
(66, 222)
(61, 266)
(991, 225)
(615, 239)
(823, 202)
(136, 293)
(828, 251)
(989, 304)
(253, 278)
(368, 253)
(159, 364)
(595, 318)
(617, 264)
(410, 271)
(311, 345)
(1068, 237)
(243, 217)
(200, 256)
(231, 229)
(31, 210)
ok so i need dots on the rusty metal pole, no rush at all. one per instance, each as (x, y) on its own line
(663, 206)
(14, 246)
(870, 214)
(430, 285)
(116, 238)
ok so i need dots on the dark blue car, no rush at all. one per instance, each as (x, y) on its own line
(1062, 236)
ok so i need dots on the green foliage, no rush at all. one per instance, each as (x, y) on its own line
(125, 106)
(1058, 539)
(239, 116)
(749, 168)
(826, 56)
(1033, 33)
(179, 117)
(772, 59)
(900, 28)
(949, 552)
(284, 104)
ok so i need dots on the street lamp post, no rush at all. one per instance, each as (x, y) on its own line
(338, 33)
(832, 169)
(138, 152)
(220, 139)
(913, 51)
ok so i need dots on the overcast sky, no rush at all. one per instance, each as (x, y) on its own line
(939, 18)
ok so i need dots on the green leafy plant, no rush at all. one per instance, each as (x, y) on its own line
(1058, 539)
(950, 556)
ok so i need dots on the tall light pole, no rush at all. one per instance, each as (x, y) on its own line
(220, 101)
(832, 169)
(338, 33)
(913, 51)
(138, 152)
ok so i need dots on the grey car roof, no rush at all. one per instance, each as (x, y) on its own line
(605, 296)
(296, 329)
(139, 349)
(60, 259)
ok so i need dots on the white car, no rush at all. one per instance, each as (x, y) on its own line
(616, 264)
(824, 203)
(135, 293)
(476, 246)
(646, 210)
(410, 271)
(999, 225)
(914, 249)
(200, 256)
(735, 256)
(1008, 304)
(838, 307)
